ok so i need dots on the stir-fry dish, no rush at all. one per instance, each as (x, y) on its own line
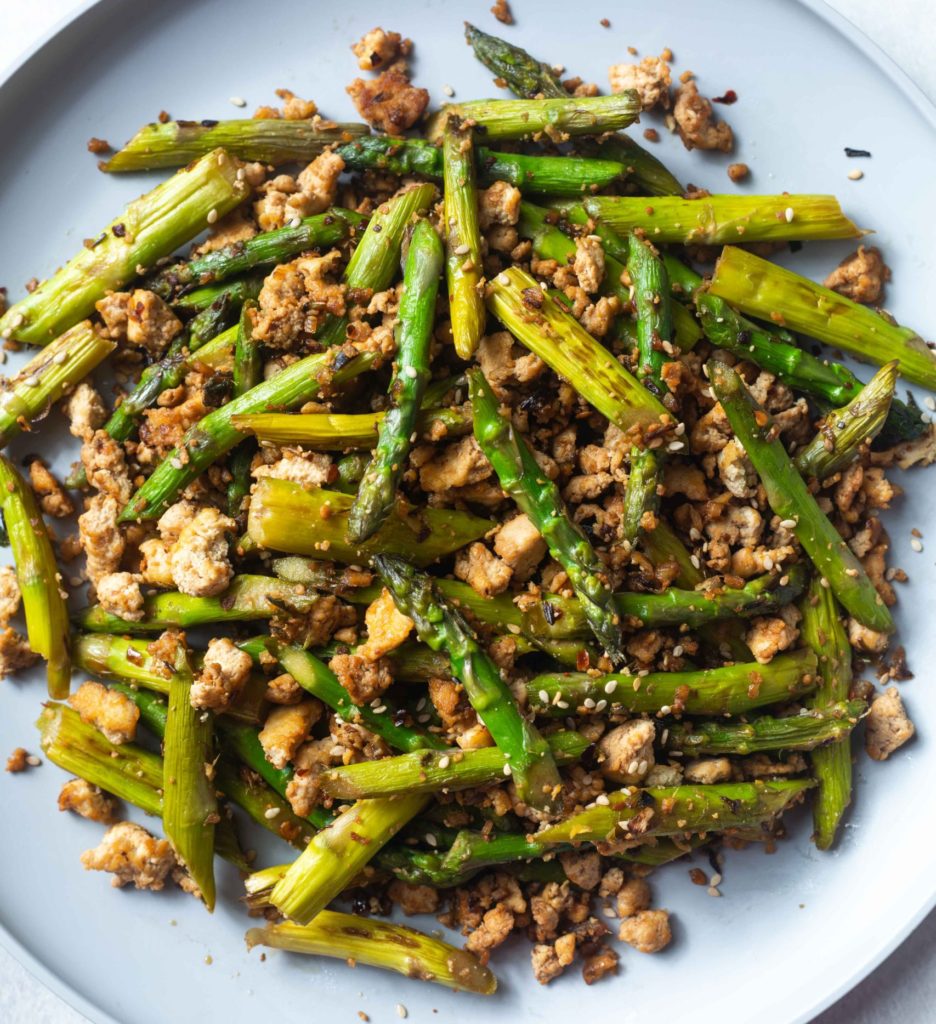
(472, 508)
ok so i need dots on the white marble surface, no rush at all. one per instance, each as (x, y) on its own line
(904, 987)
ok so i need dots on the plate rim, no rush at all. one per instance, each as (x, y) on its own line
(924, 106)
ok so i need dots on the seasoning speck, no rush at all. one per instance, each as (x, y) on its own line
(401, 1010)
(238, 101)
(448, 90)
(271, 812)
(856, 174)
(788, 214)
(857, 152)
(212, 216)
(917, 545)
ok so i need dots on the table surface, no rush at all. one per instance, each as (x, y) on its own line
(903, 988)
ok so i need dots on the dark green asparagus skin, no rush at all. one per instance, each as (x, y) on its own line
(525, 76)
(641, 495)
(377, 493)
(832, 765)
(642, 167)
(248, 372)
(537, 496)
(654, 317)
(790, 499)
(269, 247)
(442, 627)
(240, 289)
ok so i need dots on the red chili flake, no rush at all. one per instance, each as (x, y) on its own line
(582, 660)
(730, 97)
(697, 875)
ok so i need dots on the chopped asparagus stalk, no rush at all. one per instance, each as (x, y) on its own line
(843, 431)
(248, 373)
(38, 577)
(791, 500)
(285, 517)
(832, 765)
(378, 490)
(538, 497)
(47, 376)
(392, 947)
(442, 627)
(151, 227)
(642, 168)
(764, 290)
(641, 497)
(120, 657)
(269, 140)
(525, 75)
(729, 689)
(723, 219)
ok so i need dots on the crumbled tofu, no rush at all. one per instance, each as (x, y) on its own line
(283, 689)
(110, 712)
(633, 897)
(736, 470)
(85, 410)
(199, 560)
(387, 627)
(284, 199)
(496, 925)
(625, 754)
(501, 367)
(457, 465)
(769, 636)
(389, 103)
(499, 204)
(15, 652)
(234, 227)
(225, 671)
(286, 729)
(156, 562)
(106, 466)
(738, 172)
(482, 570)
(308, 469)
(88, 801)
(647, 931)
(861, 276)
(520, 545)
(867, 640)
(295, 299)
(295, 108)
(414, 899)
(18, 761)
(887, 725)
(9, 594)
(600, 964)
(379, 48)
(131, 854)
(708, 770)
(53, 498)
(695, 121)
(584, 869)
(650, 79)
(589, 263)
(140, 318)
(119, 594)
(547, 962)
(365, 680)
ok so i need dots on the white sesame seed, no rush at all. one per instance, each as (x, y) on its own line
(294, 222)
(633, 767)
(431, 839)
(463, 250)
(930, 402)
(563, 704)
(422, 719)
(421, 703)
(788, 214)
(380, 710)
(59, 358)
(238, 101)
(401, 1010)
(271, 812)
(601, 705)
(788, 524)
(856, 174)
(589, 703)
(610, 686)
(602, 799)
(665, 709)
(715, 879)
(823, 582)
(543, 696)
(445, 761)
(17, 320)
(695, 561)
(212, 216)
(677, 651)
(411, 372)
(674, 446)
(503, 279)
(768, 563)
(506, 768)
(608, 911)
(916, 544)
(448, 90)
(33, 761)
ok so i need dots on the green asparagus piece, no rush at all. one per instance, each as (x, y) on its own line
(641, 496)
(269, 140)
(321, 231)
(843, 431)
(525, 75)
(191, 303)
(338, 853)
(392, 947)
(538, 497)
(285, 517)
(38, 578)
(679, 810)
(723, 219)
(430, 771)
(378, 490)
(463, 269)
(319, 680)
(121, 657)
(562, 343)
(663, 545)
(248, 373)
(153, 707)
(442, 627)
(832, 765)
(215, 435)
(557, 119)
(807, 731)
(764, 290)
(151, 227)
(190, 807)
(650, 283)
(791, 500)
(28, 395)
(730, 689)
(642, 168)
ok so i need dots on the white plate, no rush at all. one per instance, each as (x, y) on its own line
(794, 930)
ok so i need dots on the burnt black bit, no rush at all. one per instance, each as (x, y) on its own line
(549, 612)
(119, 230)
(795, 246)
(208, 123)
(218, 390)
(733, 805)
(713, 860)
(340, 360)
(857, 152)
(744, 337)
(728, 98)
(532, 297)
(377, 228)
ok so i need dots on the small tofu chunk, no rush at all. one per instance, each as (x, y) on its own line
(286, 729)
(225, 671)
(132, 855)
(110, 712)
(387, 627)
(520, 545)
(482, 570)
(626, 752)
(887, 725)
(89, 801)
(648, 931)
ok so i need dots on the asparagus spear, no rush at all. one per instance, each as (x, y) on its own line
(790, 499)
(641, 495)
(561, 342)
(38, 578)
(151, 227)
(338, 853)
(377, 493)
(269, 140)
(679, 810)
(47, 376)
(430, 771)
(832, 765)
(191, 303)
(525, 75)
(215, 435)
(285, 517)
(830, 724)
(558, 119)
(843, 431)
(463, 270)
(538, 497)
(442, 627)
(320, 231)
(392, 947)
(764, 290)
(319, 680)
(730, 689)
(722, 219)
(642, 168)
(248, 373)
(190, 808)
(121, 657)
